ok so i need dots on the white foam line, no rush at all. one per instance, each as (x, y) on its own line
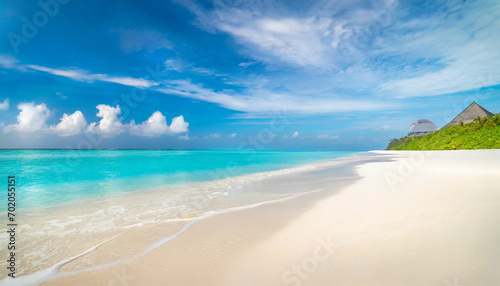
(211, 213)
(39, 277)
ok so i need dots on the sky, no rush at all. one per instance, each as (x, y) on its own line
(262, 75)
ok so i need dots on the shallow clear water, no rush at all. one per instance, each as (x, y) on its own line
(67, 202)
(47, 177)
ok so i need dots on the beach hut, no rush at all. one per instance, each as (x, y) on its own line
(468, 115)
(421, 127)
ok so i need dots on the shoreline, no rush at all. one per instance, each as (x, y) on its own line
(130, 188)
(173, 225)
(432, 227)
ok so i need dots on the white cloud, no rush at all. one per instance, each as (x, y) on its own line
(385, 48)
(32, 118)
(334, 137)
(184, 137)
(295, 135)
(214, 135)
(246, 64)
(8, 62)
(61, 95)
(291, 40)
(464, 45)
(5, 104)
(269, 36)
(110, 125)
(323, 136)
(232, 135)
(78, 75)
(86, 76)
(202, 71)
(70, 124)
(175, 65)
(273, 33)
(157, 125)
(128, 81)
(262, 100)
(179, 125)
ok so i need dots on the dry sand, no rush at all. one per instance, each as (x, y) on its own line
(428, 218)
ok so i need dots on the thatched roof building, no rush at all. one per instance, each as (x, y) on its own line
(474, 110)
(421, 127)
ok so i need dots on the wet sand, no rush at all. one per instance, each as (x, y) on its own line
(407, 218)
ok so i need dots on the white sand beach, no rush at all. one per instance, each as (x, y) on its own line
(411, 218)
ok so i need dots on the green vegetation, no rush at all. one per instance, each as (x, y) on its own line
(479, 134)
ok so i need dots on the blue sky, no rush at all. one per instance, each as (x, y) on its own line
(291, 75)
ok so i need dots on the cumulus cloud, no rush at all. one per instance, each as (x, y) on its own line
(32, 118)
(156, 125)
(185, 137)
(295, 135)
(5, 104)
(110, 125)
(70, 124)
(179, 125)
(232, 135)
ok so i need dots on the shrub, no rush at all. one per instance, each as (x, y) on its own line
(482, 133)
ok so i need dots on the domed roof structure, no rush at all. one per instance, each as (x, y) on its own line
(421, 127)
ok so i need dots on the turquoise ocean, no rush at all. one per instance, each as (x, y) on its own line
(73, 205)
(47, 177)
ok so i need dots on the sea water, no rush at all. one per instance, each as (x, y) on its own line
(67, 201)
(46, 177)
